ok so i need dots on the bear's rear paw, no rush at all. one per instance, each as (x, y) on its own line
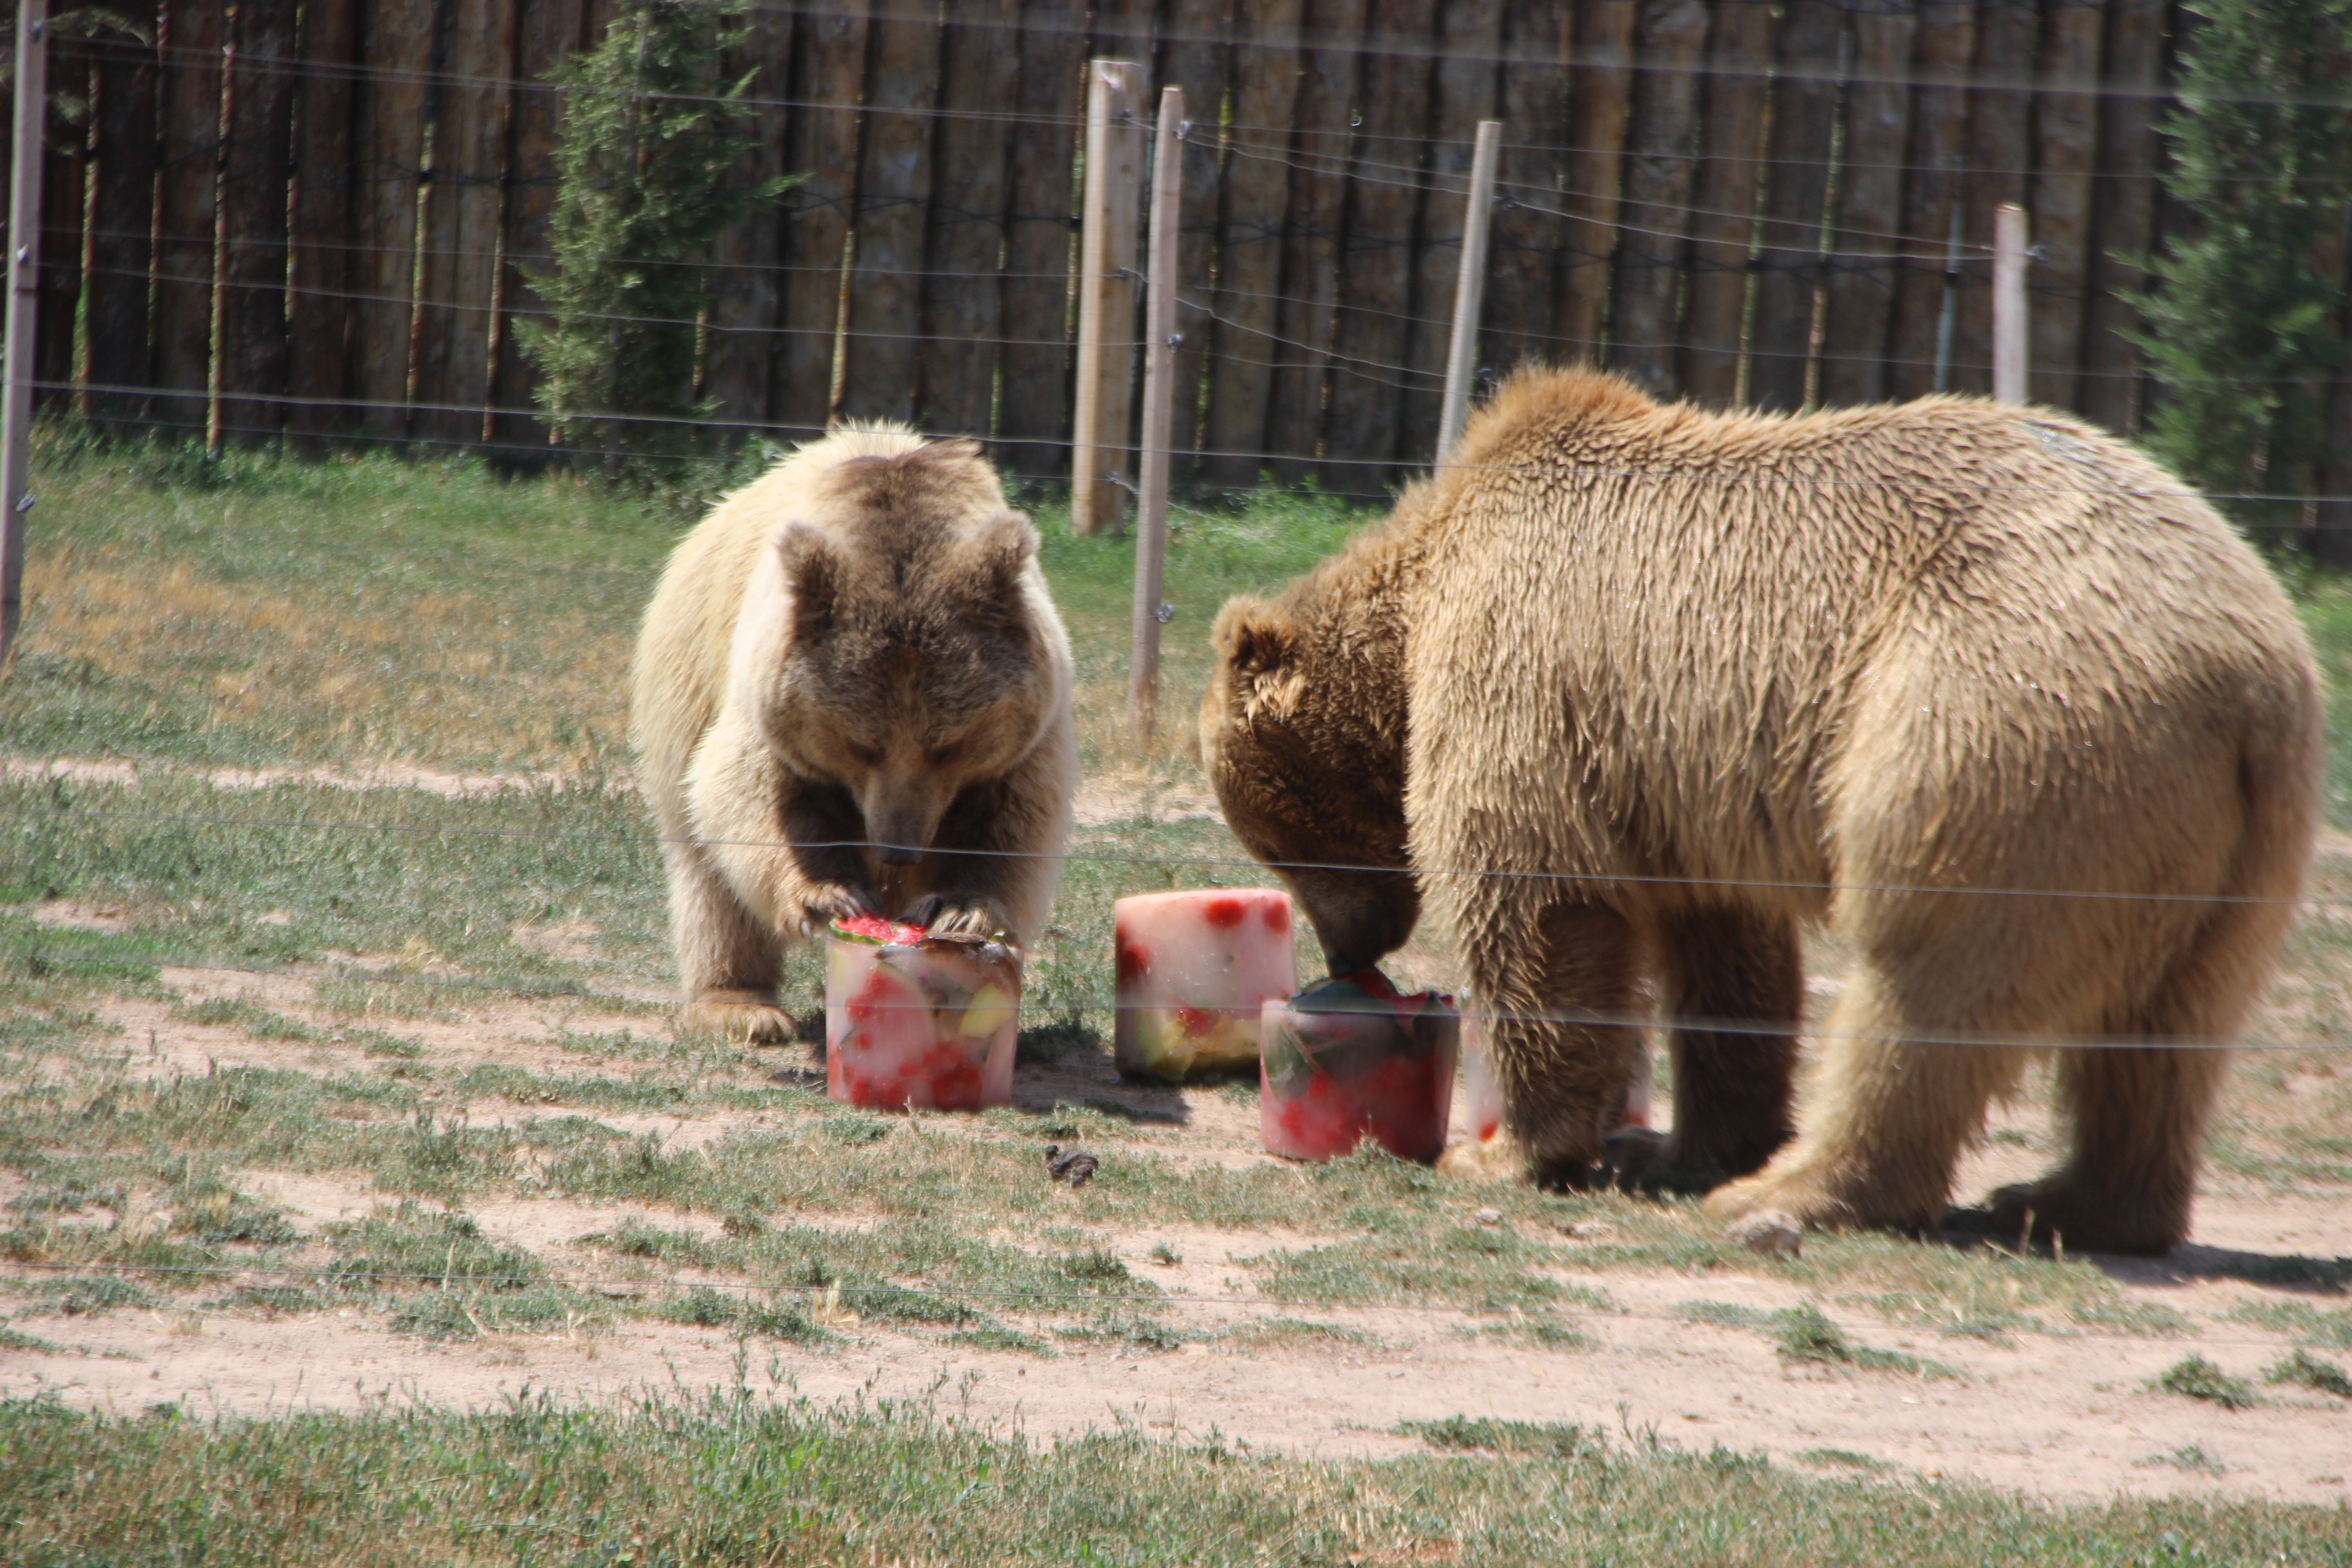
(744, 1015)
(1805, 1195)
(1642, 1160)
(2060, 1211)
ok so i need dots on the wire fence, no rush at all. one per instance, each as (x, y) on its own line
(1788, 219)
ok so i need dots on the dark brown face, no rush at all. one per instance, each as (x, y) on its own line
(1317, 798)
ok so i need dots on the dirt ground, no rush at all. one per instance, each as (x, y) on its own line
(2050, 1414)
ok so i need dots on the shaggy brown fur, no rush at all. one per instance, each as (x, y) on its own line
(850, 672)
(1636, 689)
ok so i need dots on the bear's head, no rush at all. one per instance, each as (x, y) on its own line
(916, 657)
(1302, 733)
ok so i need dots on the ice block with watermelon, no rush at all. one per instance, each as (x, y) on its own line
(1482, 1092)
(1195, 968)
(914, 1019)
(1350, 1058)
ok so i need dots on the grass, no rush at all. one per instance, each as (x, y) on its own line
(2198, 1378)
(259, 613)
(2304, 1368)
(739, 1478)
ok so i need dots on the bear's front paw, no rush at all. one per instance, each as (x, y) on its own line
(2060, 1211)
(1642, 1160)
(950, 914)
(747, 1016)
(1805, 1195)
(827, 902)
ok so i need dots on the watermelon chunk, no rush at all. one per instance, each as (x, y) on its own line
(874, 929)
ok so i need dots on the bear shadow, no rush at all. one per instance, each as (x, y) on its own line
(2187, 1263)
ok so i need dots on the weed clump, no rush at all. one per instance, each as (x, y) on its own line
(2308, 1370)
(2198, 1378)
(1549, 1439)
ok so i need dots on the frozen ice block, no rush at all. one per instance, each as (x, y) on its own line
(1350, 1058)
(1195, 969)
(917, 1020)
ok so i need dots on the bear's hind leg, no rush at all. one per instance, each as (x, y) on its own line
(728, 960)
(2138, 1115)
(1885, 1119)
(1731, 1085)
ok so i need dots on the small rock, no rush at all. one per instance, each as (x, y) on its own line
(1590, 1230)
(1076, 1167)
(1769, 1232)
(1489, 1217)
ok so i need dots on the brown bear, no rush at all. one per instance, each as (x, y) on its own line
(1633, 690)
(852, 695)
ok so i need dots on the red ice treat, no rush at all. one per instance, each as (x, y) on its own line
(1194, 968)
(1350, 1058)
(914, 1020)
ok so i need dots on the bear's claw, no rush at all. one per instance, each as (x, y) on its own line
(1642, 1160)
(738, 1016)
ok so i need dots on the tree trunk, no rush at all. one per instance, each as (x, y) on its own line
(398, 48)
(455, 305)
(1999, 158)
(1658, 165)
(1310, 251)
(319, 314)
(2066, 126)
(1256, 191)
(902, 88)
(962, 298)
(1032, 422)
(1600, 92)
(1804, 123)
(546, 34)
(828, 69)
(2125, 218)
(1368, 374)
(1870, 198)
(1932, 188)
(121, 221)
(255, 170)
(1468, 48)
(1522, 269)
(1723, 228)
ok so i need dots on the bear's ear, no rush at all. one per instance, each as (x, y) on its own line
(1255, 637)
(1002, 549)
(813, 570)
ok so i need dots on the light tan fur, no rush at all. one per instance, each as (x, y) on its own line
(852, 661)
(1645, 687)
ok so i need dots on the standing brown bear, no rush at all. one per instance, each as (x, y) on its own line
(851, 696)
(1634, 690)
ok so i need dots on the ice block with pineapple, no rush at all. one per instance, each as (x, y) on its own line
(1195, 969)
(913, 1019)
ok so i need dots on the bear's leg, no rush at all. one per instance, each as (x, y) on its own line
(1885, 1119)
(728, 959)
(1731, 1086)
(1563, 1080)
(2138, 1115)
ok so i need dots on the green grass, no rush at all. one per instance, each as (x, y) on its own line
(2307, 1371)
(2198, 1378)
(739, 1478)
(1805, 1334)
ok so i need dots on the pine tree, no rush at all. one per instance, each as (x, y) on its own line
(651, 129)
(2246, 324)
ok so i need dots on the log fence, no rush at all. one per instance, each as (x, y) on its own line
(318, 219)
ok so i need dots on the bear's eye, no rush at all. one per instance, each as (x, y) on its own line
(940, 756)
(863, 755)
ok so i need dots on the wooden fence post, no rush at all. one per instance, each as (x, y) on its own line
(462, 220)
(255, 164)
(1469, 290)
(319, 316)
(397, 55)
(549, 32)
(1653, 210)
(121, 221)
(1731, 167)
(1105, 292)
(24, 309)
(1157, 439)
(2010, 324)
(1599, 92)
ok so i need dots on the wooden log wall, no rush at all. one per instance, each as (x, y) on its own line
(1768, 202)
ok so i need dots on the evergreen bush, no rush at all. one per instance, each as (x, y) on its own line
(652, 128)
(2245, 326)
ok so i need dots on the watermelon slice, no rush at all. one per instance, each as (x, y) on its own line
(877, 930)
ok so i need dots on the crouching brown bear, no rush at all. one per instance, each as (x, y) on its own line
(852, 695)
(1632, 691)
